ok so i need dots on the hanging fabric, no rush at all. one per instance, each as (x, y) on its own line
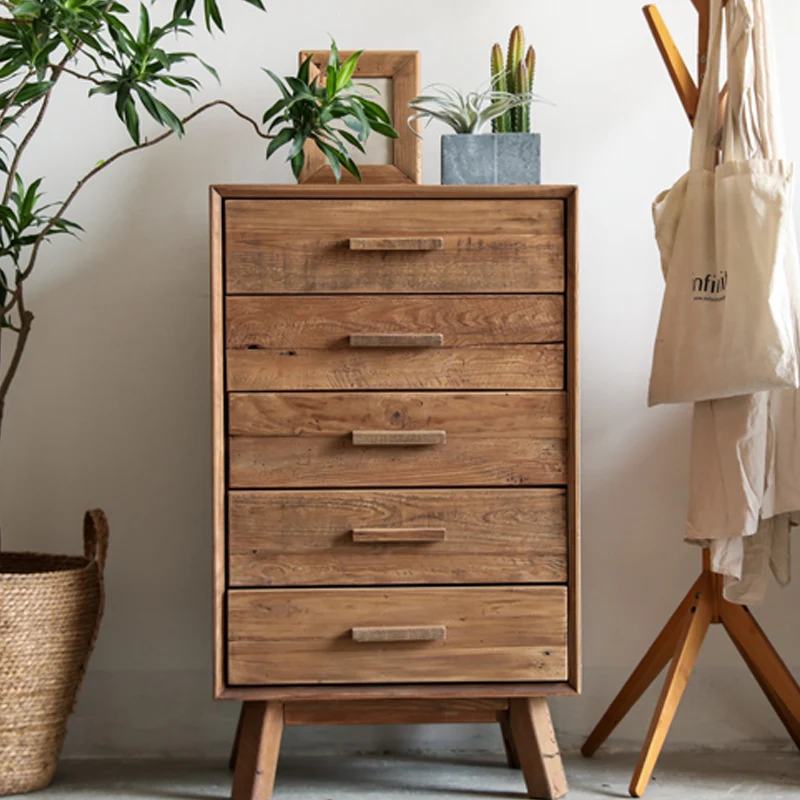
(745, 460)
(731, 313)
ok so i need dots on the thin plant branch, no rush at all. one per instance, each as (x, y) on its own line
(126, 151)
(80, 76)
(15, 95)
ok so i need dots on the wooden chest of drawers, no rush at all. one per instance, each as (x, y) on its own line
(396, 462)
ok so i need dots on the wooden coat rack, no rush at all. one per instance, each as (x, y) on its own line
(680, 641)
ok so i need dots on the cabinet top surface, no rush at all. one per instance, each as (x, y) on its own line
(389, 192)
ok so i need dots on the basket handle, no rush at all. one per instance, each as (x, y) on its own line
(95, 537)
(95, 548)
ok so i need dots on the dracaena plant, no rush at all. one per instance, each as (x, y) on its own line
(321, 111)
(44, 44)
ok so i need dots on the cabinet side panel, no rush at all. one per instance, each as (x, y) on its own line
(218, 434)
(573, 452)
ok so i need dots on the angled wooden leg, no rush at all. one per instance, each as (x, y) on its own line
(537, 748)
(674, 686)
(649, 668)
(257, 756)
(772, 674)
(235, 748)
(512, 757)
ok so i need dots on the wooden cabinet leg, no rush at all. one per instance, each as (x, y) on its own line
(674, 686)
(512, 757)
(257, 751)
(537, 748)
(649, 668)
(772, 674)
(235, 748)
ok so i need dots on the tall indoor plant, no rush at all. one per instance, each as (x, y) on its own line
(50, 606)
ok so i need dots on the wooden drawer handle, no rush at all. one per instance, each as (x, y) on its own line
(398, 438)
(399, 535)
(397, 243)
(396, 340)
(422, 633)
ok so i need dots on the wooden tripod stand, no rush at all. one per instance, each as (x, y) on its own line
(682, 637)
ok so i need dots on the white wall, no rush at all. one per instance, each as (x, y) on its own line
(112, 405)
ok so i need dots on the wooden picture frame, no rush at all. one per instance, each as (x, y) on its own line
(402, 67)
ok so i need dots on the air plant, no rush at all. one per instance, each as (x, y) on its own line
(467, 113)
(514, 74)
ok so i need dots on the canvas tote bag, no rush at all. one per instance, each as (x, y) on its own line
(729, 319)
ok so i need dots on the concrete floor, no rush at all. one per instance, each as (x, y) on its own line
(692, 776)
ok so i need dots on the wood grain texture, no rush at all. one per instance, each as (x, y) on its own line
(282, 636)
(397, 243)
(521, 367)
(574, 438)
(257, 751)
(314, 343)
(400, 633)
(411, 691)
(300, 538)
(218, 435)
(497, 246)
(396, 339)
(304, 440)
(394, 712)
(288, 191)
(399, 535)
(399, 438)
(537, 748)
(327, 322)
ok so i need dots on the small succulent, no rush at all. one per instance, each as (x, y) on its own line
(310, 109)
(467, 113)
(514, 74)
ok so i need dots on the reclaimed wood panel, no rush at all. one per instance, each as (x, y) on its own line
(305, 538)
(296, 343)
(305, 440)
(290, 636)
(488, 246)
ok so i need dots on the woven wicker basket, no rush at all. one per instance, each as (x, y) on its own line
(50, 611)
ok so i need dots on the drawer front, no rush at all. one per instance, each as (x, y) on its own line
(351, 538)
(397, 439)
(350, 246)
(413, 635)
(395, 342)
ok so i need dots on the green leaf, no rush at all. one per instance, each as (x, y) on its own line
(334, 59)
(273, 110)
(330, 83)
(351, 139)
(377, 111)
(305, 70)
(287, 95)
(384, 130)
(284, 137)
(347, 70)
(298, 162)
(144, 24)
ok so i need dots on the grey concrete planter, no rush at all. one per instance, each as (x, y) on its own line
(495, 159)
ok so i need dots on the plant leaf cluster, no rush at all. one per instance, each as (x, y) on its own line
(466, 113)
(331, 113)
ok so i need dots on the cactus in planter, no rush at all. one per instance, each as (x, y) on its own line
(514, 74)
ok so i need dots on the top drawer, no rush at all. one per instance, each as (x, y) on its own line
(388, 246)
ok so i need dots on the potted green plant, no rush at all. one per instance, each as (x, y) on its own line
(511, 154)
(50, 606)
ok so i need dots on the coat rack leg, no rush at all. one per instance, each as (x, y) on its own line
(257, 754)
(649, 668)
(674, 686)
(766, 665)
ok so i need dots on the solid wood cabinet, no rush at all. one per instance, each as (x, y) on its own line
(396, 462)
